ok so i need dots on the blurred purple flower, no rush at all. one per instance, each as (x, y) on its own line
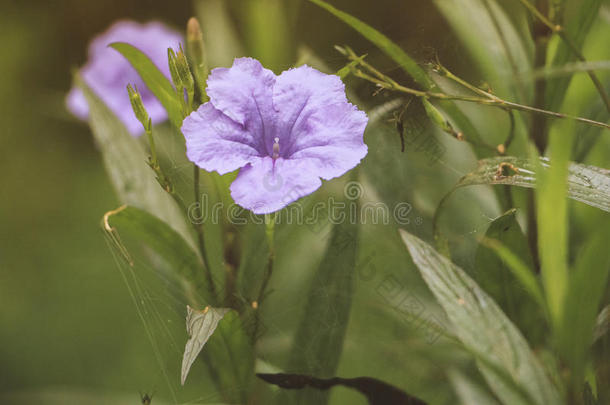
(107, 72)
(285, 132)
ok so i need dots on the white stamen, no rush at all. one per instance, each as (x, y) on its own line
(276, 148)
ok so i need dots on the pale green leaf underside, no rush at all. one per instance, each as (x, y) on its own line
(200, 325)
(468, 392)
(504, 357)
(587, 184)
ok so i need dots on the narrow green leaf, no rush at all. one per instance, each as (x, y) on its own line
(163, 240)
(382, 42)
(588, 282)
(511, 283)
(552, 189)
(587, 184)
(154, 79)
(484, 329)
(199, 325)
(268, 33)
(521, 272)
(125, 162)
(319, 338)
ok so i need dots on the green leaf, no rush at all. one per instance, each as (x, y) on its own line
(552, 187)
(587, 184)
(588, 282)
(154, 79)
(513, 287)
(521, 271)
(125, 162)
(230, 358)
(468, 391)
(199, 325)
(268, 32)
(483, 329)
(319, 338)
(162, 239)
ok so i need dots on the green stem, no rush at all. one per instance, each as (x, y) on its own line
(511, 132)
(495, 101)
(151, 141)
(560, 31)
(200, 236)
(270, 225)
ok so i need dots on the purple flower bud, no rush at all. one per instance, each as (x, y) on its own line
(107, 72)
(285, 132)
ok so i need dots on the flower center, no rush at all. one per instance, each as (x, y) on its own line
(276, 148)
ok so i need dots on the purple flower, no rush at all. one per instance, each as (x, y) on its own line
(107, 72)
(285, 132)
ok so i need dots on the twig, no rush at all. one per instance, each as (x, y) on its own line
(489, 99)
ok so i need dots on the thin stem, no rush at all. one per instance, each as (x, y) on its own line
(496, 101)
(270, 224)
(200, 237)
(443, 71)
(151, 141)
(511, 133)
(535, 110)
(532, 9)
(560, 31)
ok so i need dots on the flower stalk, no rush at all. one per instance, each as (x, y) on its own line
(256, 305)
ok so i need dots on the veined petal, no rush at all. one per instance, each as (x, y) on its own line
(331, 139)
(244, 93)
(317, 122)
(264, 186)
(216, 142)
(298, 93)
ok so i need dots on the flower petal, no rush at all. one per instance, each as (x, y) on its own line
(216, 142)
(263, 187)
(244, 93)
(317, 122)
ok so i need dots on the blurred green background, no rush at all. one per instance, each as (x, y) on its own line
(69, 331)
